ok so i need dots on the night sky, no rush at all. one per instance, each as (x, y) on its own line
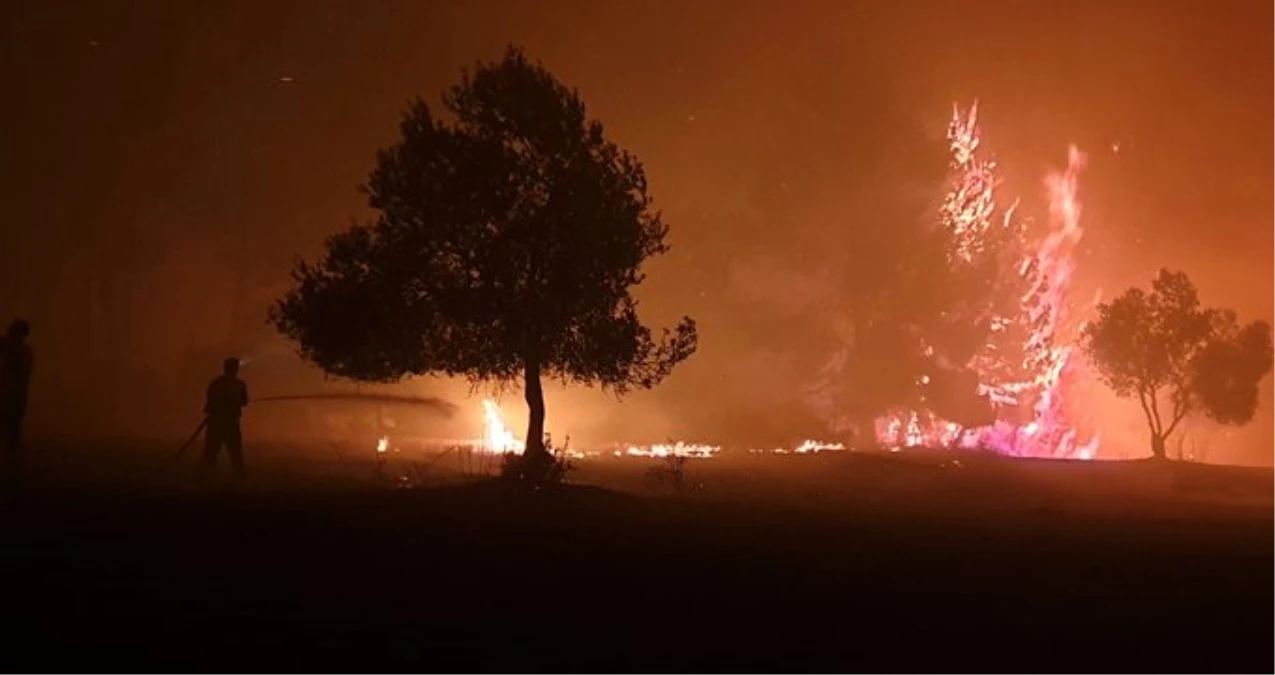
(163, 162)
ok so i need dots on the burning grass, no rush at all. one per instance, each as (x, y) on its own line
(919, 480)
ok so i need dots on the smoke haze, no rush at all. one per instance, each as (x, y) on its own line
(165, 162)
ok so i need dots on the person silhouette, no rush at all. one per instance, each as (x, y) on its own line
(16, 361)
(223, 405)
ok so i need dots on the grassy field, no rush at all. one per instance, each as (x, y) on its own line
(120, 559)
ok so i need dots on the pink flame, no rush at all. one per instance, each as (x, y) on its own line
(968, 213)
(1052, 432)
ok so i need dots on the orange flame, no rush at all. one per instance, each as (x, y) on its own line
(678, 449)
(497, 438)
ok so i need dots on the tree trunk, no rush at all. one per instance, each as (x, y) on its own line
(536, 459)
(1157, 447)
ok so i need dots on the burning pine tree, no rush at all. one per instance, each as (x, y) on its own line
(1004, 332)
(986, 250)
(973, 348)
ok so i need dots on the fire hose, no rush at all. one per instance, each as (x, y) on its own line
(193, 436)
(439, 405)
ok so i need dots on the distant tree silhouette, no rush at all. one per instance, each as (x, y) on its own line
(1145, 344)
(508, 238)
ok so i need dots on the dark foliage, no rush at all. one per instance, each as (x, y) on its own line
(1144, 344)
(887, 286)
(553, 473)
(508, 239)
(1225, 373)
(953, 396)
(669, 474)
(933, 313)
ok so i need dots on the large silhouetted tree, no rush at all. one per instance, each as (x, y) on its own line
(1178, 358)
(510, 233)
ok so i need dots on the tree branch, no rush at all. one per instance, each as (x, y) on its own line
(1178, 417)
(1180, 409)
(1181, 405)
(1155, 412)
(1146, 410)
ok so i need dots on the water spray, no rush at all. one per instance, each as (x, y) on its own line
(438, 405)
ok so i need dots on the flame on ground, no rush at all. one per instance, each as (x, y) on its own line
(499, 439)
(677, 449)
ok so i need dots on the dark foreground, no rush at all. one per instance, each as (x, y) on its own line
(476, 579)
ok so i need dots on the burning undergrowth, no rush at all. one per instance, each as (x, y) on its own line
(485, 453)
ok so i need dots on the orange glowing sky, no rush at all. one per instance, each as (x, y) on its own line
(167, 143)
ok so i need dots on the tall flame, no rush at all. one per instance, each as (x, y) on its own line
(1054, 348)
(968, 213)
(1052, 432)
(496, 437)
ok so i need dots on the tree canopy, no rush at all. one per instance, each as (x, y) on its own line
(509, 235)
(1178, 358)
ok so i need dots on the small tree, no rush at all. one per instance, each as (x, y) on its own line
(507, 242)
(1177, 358)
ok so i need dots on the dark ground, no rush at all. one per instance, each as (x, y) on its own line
(835, 564)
